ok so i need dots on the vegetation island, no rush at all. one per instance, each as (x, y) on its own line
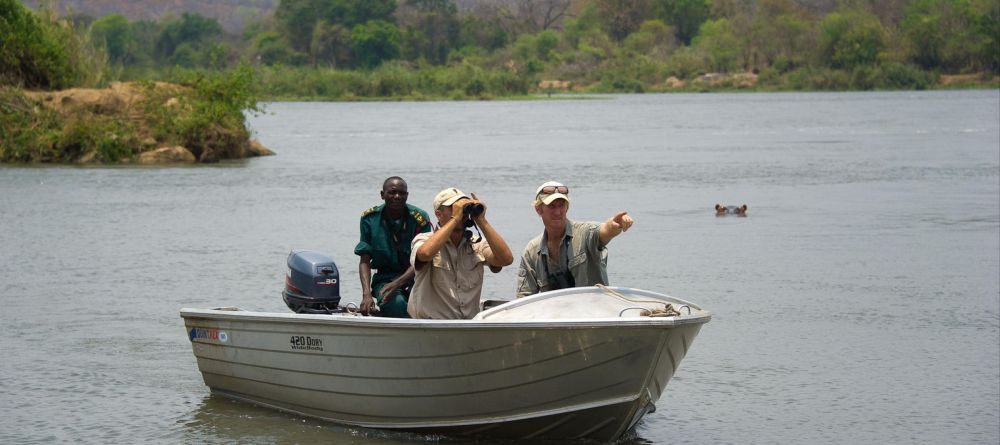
(129, 81)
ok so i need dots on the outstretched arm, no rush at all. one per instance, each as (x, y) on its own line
(614, 226)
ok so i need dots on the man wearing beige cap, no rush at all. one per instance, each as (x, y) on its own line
(567, 253)
(449, 264)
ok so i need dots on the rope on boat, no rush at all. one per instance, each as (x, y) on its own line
(352, 309)
(667, 311)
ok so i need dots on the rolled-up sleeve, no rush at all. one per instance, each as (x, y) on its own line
(527, 284)
(364, 246)
(418, 241)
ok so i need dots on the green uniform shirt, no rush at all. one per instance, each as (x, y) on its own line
(388, 242)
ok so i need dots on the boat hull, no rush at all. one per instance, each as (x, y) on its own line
(548, 379)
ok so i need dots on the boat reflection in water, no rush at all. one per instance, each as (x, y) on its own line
(574, 363)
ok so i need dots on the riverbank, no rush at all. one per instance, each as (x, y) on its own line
(203, 121)
(767, 82)
(397, 83)
(126, 123)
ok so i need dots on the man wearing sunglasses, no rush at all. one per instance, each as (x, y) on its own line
(449, 262)
(566, 254)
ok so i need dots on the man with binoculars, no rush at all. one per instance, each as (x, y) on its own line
(449, 263)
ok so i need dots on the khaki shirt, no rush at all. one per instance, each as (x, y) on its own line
(449, 286)
(582, 252)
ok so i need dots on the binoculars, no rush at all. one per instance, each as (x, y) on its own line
(470, 211)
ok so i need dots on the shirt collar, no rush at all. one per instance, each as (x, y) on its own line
(543, 247)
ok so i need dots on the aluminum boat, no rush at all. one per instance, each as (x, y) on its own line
(573, 363)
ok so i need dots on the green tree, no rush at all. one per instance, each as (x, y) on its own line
(588, 47)
(730, 9)
(586, 24)
(545, 44)
(653, 38)
(145, 34)
(298, 18)
(185, 55)
(330, 46)
(951, 34)
(430, 29)
(536, 48)
(782, 33)
(34, 52)
(717, 39)
(375, 42)
(687, 62)
(686, 16)
(850, 39)
(619, 18)
(115, 33)
(271, 48)
(925, 25)
(987, 28)
(351, 13)
(192, 31)
(477, 32)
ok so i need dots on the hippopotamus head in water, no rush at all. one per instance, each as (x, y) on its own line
(721, 210)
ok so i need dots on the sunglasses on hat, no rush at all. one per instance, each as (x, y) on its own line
(554, 189)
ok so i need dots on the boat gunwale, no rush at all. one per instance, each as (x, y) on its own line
(363, 321)
(481, 320)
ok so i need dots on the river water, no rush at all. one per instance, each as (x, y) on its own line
(859, 302)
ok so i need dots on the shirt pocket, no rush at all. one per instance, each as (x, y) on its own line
(443, 275)
(577, 260)
(440, 263)
(543, 283)
(471, 270)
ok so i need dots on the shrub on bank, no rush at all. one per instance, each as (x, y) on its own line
(34, 133)
(887, 76)
(27, 132)
(393, 80)
(95, 138)
(40, 51)
(208, 118)
(116, 124)
(33, 53)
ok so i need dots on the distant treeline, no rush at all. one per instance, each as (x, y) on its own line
(233, 15)
(204, 117)
(353, 49)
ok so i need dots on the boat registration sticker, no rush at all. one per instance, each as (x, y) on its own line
(302, 342)
(209, 334)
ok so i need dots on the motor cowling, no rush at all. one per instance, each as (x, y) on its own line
(312, 283)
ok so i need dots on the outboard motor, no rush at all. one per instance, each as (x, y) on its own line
(312, 284)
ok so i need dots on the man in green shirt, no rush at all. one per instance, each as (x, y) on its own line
(386, 233)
